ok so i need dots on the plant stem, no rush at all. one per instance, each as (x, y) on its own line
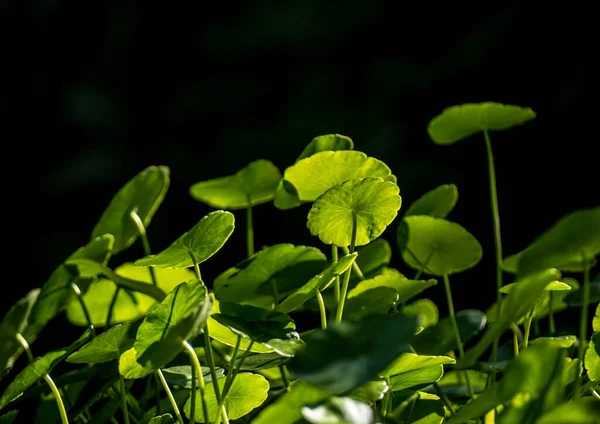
(322, 311)
(344, 292)
(86, 311)
(198, 369)
(226, 387)
(527, 328)
(111, 307)
(284, 378)
(336, 286)
(551, 314)
(386, 398)
(497, 236)
(584, 310)
(211, 360)
(455, 328)
(147, 251)
(231, 366)
(355, 266)
(59, 401)
(438, 388)
(169, 395)
(123, 399)
(515, 343)
(249, 229)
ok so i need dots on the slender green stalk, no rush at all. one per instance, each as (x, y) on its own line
(515, 343)
(211, 361)
(551, 314)
(249, 229)
(86, 311)
(322, 311)
(231, 364)
(59, 401)
(536, 327)
(111, 307)
(147, 251)
(595, 393)
(123, 399)
(386, 398)
(198, 369)
(336, 286)
(455, 328)
(583, 323)
(355, 266)
(438, 388)
(282, 371)
(527, 328)
(165, 385)
(194, 375)
(344, 292)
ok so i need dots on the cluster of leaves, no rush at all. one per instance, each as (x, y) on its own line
(380, 356)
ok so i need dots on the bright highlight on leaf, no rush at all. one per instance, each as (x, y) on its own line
(459, 122)
(252, 185)
(365, 206)
(201, 242)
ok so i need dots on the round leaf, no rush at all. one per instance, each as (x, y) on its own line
(130, 305)
(250, 186)
(425, 310)
(374, 301)
(459, 122)
(445, 247)
(314, 175)
(202, 241)
(438, 202)
(328, 142)
(107, 346)
(143, 195)
(369, 203)
(247, 392)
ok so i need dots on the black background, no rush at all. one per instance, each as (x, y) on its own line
(97, 91)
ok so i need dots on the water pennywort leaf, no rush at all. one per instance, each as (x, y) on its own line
(437, 203)
(107, 346)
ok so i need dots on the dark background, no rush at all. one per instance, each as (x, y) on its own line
(97, 91)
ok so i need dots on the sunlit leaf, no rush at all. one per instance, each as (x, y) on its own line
(372, 391)
(143, 194)
(453, 383)
(425, 310)
(558, 341)
(552, 286)
(252, 185)
(456, 123)
(591, 359)
(374, 301)
(428, 409)
(369, 204)
(130, 368)
(107, 346)
(437, 203)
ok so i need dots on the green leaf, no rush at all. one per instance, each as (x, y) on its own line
(552, 286)
(428, 409)
(107, 346)
(411, 362)
(596, 321)
(437, 203)
(440, 338)
(575, 298)
(584, 410)
(247, 392)
(527, 381)
(314, 175)
(340, 410)
(375, 301)
(162, 419)
(181, 375)
(287, 408)
(143, 194)
(517, 303)
(425, 310)
(9, 417)
(373, 258)
(569, 245)
(57, 291)
(369, 392)
(416, 379)
(369, 203)
(456, 123)
(179, 318)
(318, 283)
(262, 361)
(252, 185)
(130, 368)
(591, 359)
(328, 142)
(559, 341)
(349, 354)
(285, 266)
(202, 241)
(37, 369)
(453, 383)
(129, 305)
(15, 321)
(444, 247)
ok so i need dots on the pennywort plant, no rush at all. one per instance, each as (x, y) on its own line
(160, 345)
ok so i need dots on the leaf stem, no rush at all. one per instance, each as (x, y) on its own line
(211, 360)
(455, 328)
(123, 399)
(284, 378)
(438, 388)
(249, 229)
(527, 328)
(336, 287)
(497, 234)
(86, 311)
(147, 251)
(344, 292)
(111, 307)
(322, 311)
(59, 401)
(198, 369)
(169, 395)
(551, 314)
(355, 266)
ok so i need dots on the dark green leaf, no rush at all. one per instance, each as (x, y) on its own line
(428, 409)
(575, 298)
(370, 392)
(252, 185)
(370, 204)
(437, 203)
(143, 194)
(456, 123)
(326, 142)
(107, 346)
(349, 354)
(584, 410)
(261, 361)
(181, 375)
(375, 301)
(425, 310)
(9, 417)
(162, 419)
(411, 362)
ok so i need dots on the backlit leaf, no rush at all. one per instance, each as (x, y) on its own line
(438, 202)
